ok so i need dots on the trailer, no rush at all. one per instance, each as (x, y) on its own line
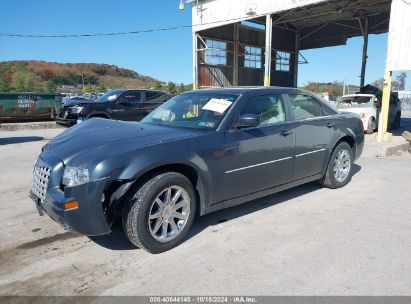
(23, 107)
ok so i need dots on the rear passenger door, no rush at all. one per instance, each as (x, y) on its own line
(152, 100)
(313, 134)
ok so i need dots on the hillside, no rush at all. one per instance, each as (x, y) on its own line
(42, 76)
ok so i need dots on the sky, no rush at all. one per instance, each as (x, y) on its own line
(165, 55)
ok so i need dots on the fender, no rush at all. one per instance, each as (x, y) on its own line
(342, 132)
(134, 168)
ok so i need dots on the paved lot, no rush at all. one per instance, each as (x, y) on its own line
(304, 241)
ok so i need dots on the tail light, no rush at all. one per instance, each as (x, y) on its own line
(362, 127)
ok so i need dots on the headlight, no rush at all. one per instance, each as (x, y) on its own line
(74, 176)
(76, 110)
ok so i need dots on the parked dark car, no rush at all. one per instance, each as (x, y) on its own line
(199, 152)
(117, 104)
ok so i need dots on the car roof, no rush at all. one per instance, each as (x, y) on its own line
(358, 95)
(241, 90)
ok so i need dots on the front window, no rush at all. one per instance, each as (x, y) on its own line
(270, 108)
(193, 110)
(355, 101)
(110, 96)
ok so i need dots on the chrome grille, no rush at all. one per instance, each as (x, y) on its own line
(41, 176)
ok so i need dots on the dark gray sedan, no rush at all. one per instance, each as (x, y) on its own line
(199, 152)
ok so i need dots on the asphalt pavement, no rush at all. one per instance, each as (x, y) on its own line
(305, 241)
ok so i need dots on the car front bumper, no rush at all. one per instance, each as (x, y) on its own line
(86, 219)
(66, 121)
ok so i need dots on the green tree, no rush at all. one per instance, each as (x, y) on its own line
(171, 86)
(3, 85)
(181, 88)
(18, 82)
(157, 85)
(101, 88)
(51, 87)
(87, 89)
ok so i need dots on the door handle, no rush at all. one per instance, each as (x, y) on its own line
(331, 124)
(286, 132)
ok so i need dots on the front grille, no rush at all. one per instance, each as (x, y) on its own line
(41, 176)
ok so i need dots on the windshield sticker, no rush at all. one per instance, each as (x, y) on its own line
(217, 105)
(112, 97)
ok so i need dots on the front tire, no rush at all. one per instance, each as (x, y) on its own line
(159, 213)
(339, 169)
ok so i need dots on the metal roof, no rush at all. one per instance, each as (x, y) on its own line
(320, 23)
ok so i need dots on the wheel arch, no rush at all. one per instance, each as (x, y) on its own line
(98, 114)
(343, 138)
(193, 175)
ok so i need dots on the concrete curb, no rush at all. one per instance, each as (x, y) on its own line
(394, 150)
(29, 126)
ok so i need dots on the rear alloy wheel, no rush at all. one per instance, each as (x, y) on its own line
(159, 212)
(339, 170)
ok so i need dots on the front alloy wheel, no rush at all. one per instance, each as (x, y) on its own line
(159, 212)
(169, 213)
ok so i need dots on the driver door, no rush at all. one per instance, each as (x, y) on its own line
(129, 107)
(258, 158)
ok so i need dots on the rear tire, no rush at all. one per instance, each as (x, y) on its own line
(339, 168)
(158, 214)
(371, 126)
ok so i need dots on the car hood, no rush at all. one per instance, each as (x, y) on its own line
(76, 101)
(105, 136)
(357, 110)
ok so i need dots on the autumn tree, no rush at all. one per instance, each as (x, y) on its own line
(87, 88)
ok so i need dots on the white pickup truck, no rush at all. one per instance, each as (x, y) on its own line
(368, 106)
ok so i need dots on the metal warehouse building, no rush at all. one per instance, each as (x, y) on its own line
(258, 42)
(229, 52)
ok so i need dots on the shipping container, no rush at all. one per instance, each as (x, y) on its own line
(21, 107)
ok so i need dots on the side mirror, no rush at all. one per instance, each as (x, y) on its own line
(248, 120)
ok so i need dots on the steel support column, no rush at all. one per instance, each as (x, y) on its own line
(296, 56)
(195, 61)
(383, 117)
(236, 53)
(268, 40)
(364, 51)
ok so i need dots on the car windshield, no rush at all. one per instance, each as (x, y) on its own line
(110, 96)
(355, 101)
(193, 110)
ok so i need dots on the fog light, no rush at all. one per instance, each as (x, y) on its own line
(71, 205)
